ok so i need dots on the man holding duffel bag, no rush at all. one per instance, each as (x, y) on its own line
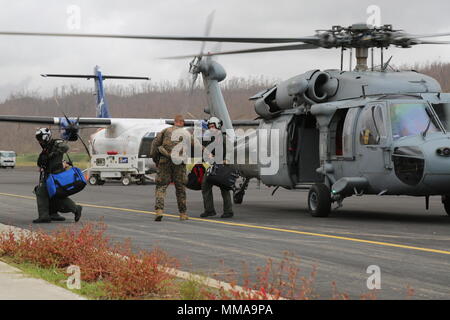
(50, 161)
(219, 175)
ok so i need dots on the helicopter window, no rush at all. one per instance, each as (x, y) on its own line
(347, 135)
(443, 112)
(410, 119)
(372, 125)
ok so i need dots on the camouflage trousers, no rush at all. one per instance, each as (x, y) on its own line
(167, 173)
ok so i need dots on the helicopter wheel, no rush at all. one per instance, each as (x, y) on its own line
(446, 203)
(319, 200)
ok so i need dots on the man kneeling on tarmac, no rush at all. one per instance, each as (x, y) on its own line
(50, 161)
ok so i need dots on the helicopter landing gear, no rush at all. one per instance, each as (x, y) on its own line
(319, 200)
(446, 203)
(239, 192)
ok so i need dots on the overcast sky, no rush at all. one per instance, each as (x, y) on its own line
(25, 58)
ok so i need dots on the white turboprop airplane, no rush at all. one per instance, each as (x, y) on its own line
(128, 136)
(116, 136)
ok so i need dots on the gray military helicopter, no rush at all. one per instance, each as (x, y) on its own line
(371, 130)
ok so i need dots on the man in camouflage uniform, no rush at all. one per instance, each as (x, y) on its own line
(51, 161)
(168, 171)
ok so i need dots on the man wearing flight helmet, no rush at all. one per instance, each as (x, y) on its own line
(50, 161)
(214, 127)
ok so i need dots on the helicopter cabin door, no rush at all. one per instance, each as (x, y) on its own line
(305, 147)
(341, 144)
(371, 140)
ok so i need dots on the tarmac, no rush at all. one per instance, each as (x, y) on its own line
(16, 285)
(409, 244)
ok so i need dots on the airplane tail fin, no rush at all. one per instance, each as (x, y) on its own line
(102, 104)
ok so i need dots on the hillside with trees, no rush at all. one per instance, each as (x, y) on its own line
(154, 100)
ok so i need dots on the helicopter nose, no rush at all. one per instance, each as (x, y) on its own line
(437, 165)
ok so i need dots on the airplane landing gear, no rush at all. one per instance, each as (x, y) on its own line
(319, 200)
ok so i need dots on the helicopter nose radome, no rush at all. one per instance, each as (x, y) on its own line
(437, 166)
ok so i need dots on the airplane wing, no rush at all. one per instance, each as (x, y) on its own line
(59, 121)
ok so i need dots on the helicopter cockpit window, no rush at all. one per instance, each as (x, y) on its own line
(373, 129)
(348, 133)
(443, 112)
(409, 119)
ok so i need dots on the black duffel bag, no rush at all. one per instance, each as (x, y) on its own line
(222, 175)
(195, 177)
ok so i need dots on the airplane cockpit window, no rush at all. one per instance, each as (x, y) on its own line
(409, 119)
(373, 129)
(146, 144)
(443, 112)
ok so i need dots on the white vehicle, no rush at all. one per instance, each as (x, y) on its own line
(7, 159)
(124, 157)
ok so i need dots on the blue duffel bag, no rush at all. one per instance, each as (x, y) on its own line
(66, 183)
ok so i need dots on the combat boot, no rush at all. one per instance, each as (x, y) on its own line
(57, 217)
(159, 215)
(184, 216)
(78, 213)
(227, 215)
(208, 214)
(42, 220)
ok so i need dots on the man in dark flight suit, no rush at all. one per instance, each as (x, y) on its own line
(51, 161)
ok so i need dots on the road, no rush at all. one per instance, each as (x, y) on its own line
(410, 245)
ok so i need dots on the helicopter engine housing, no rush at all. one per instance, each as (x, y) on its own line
(312, 87)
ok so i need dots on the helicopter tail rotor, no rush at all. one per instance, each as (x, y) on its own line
(194, 65)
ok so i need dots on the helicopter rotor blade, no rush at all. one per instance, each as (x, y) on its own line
(151, 37)
(433, 42)
(194, 80)
(209, 22)
(430, 35)
(302, 46)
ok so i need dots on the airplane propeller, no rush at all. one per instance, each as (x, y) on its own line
(70, 128)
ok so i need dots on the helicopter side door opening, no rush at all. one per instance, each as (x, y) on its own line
(303, 149)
